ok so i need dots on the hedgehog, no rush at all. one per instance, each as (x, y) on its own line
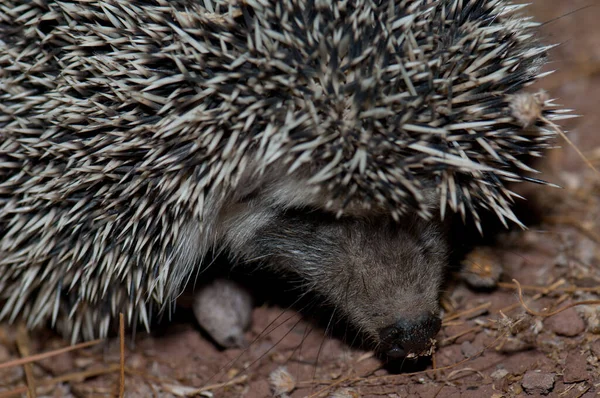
(325, 141)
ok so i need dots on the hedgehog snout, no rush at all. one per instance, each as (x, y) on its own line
(410, 336)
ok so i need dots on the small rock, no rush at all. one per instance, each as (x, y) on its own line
(566, 323)
(468, 349)
(516, 389)
(593, 320)
(499, 374)
(282, 382)
(482, 268)
(575, 368)
(535, 382)
(224, 310)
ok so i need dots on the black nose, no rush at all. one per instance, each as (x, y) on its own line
(409, 336)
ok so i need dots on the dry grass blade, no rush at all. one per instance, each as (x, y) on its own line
(49, 354)
(23, 346)
(544, 289)
(559, 131)
(452, 374)
(456, 336)
(70, 377)
(547, 314)
(15, 392)
(122, 356)
(575, 223)
(466, 312)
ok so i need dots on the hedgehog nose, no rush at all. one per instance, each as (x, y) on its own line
(409, 336)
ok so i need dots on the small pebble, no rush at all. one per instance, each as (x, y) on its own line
(482, 268)
(499, 374)
(535, 382)
(282, 382)
(516, 389)
(468, 349)
(566, 323)
(224, 309)
(592, 318)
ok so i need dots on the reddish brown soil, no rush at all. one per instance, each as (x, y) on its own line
(490, 344)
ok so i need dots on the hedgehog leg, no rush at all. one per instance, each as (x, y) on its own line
(223, 309)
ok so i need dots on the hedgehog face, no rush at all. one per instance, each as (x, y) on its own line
(392, 273)
(383, 276)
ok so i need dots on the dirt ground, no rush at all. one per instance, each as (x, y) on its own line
(498, 343)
